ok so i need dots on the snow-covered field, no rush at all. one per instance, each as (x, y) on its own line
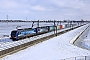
(53, 49)
(86, 41)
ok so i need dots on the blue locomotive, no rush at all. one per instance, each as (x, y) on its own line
(22, 33)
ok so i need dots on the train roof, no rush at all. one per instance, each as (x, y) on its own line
(25, 29)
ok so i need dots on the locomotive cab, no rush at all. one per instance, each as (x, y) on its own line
(13, 35)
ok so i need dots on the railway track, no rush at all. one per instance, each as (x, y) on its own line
(25, 44)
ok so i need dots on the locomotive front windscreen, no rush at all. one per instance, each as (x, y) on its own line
(13, 33)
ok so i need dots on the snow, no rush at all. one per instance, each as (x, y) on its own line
(53, 49)
(86, 41)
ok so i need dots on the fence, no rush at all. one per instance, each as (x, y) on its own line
(78, 58)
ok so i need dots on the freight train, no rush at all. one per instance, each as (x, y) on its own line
(29, 32)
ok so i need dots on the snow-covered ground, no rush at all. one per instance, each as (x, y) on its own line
(86, 41)
(53, 49)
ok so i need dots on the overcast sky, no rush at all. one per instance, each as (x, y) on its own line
(45, 9)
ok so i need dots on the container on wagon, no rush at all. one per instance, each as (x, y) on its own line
(58, 27)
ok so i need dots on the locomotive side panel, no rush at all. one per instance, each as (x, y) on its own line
(26, 33)
(42, 30)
